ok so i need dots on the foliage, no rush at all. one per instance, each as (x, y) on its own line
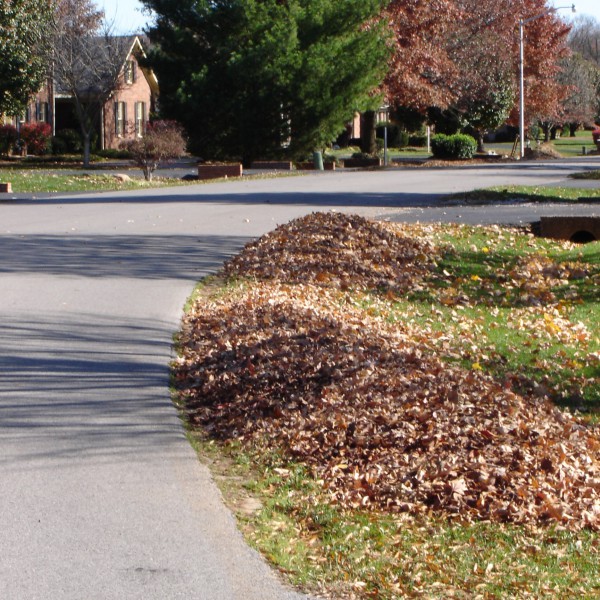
(584, 38)
(162, 141)
(37, 137)
(582, 78)
(8, 137)
(22, 63)
(417, 140)
(113, 153)
(457, 146)
(67, 141)
(442, 59)
(422, 72)
(248, 78)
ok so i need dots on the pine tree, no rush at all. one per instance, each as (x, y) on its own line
(248, 78)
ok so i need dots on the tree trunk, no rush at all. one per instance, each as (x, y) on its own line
(479, 137)
(367, 133)
(573, 127)
(546, 129)
(86, 148)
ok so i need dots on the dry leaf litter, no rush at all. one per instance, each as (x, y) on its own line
(380, 420)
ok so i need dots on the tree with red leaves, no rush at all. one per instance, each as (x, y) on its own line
(464, 55)
(422, 73)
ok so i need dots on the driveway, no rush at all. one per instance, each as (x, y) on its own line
(101, 495)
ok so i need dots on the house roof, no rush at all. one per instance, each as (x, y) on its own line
(98, 61)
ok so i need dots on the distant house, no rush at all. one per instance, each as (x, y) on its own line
(123, 117)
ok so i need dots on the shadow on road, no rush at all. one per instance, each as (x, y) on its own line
(75, 391)
(196, 194)
(139, 256)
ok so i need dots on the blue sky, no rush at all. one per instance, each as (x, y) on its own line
(588, 7)
(128, 18)
(126, 14)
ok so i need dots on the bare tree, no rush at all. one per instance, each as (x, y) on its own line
(162, 142)
(582, 78)
(584, 38)
(87, 61)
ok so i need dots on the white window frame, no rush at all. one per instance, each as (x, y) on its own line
(120, 118)
(129, 74)
(140, 118)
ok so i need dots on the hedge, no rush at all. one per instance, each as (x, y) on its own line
(457, 146)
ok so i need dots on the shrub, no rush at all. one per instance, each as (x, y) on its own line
(113, 153)
(506, 134)
(457, 146)
(394, 135)
(535, 132)
(418, 140)
(67, 141)
(8, 138)
(58, 145)
(163, 141)
(37, 137)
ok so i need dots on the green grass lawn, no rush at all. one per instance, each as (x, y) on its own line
(573, 146)
(499, 301)
(522, 193)
(569, 147)
(37, 180)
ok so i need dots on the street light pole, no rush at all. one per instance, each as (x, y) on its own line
(521, 93)
(522, 23)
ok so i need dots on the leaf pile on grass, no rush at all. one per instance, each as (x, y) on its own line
(542, 151)
(330, 249)
(380, 420)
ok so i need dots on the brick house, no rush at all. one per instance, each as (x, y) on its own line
(126, 113)
(123, 117)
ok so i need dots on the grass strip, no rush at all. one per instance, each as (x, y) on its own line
(516, 193)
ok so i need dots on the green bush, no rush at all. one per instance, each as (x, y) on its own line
(403, 139)
(113, 153)
(457, 146)
(535, 132)
(58, 146)
(67, 141)
(418, 140)
(394, 135)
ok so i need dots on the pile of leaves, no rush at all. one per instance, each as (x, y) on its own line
(379, 419)
(542, 151)
(331, 249)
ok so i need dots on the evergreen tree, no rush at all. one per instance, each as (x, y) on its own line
(250, 77)
(22, 63)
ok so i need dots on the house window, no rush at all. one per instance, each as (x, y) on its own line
(140, 118)
(42, 115)
(130, 71)
(120, 117)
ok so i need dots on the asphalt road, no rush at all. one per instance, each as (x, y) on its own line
(101, 496)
